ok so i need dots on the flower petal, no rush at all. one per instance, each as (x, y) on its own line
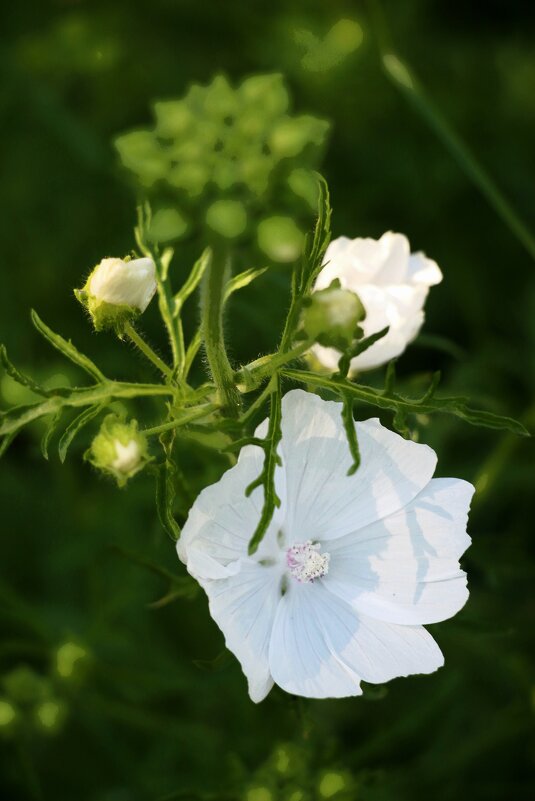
(311, 628)
(222, 520)
(404, 568)
(244, 607)
(321, 648)
(323, 502)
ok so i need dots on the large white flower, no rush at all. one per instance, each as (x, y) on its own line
(351, 566)
(392, 284)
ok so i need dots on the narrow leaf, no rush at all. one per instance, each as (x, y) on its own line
(20, 378)
(359, 347)
(242, 280)
(192, 281)
(165, 487)
(49, 433)
(267, 476)
(454, 406)
(5, 442)
(67, 348)
(351, 433)
(75, 426)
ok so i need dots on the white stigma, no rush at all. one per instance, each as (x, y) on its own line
(305, 562)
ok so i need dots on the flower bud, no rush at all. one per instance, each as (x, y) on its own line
(119, 449)
(332, 316)
(118, 290)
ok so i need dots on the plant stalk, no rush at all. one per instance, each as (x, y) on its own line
(212, 298)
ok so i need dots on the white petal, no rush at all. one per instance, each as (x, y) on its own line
(244, 606)
(128, 283)
(404, 568)
(395, 252)
(320, 648)
(423, 270)
(311, 628)
(222, 520)
(323, 502)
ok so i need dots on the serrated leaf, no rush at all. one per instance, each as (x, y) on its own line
(242, 280)
(14, 419)
(75, 426)
(67, 348)
(192, 282)
(315, 250)
(49, 433)
(192, 351)
(351, 433)
(267, 476)
(20, 378)
(454, 406)
(359, 347)
(6, 441)
(165, 488)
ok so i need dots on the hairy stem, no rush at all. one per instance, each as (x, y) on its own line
(212, 297)
(146, 350)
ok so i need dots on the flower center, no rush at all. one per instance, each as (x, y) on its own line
(305, 562)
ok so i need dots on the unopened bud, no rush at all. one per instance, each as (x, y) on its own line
(117, 291)
(332, 317)
(119, 449)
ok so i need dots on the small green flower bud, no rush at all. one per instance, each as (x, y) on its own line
(117, 291)
(332, 317)
(119, 449)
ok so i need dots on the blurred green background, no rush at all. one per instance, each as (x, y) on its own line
(104, 698)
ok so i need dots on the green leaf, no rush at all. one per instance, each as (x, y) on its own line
(315, 251)
(267, 476)
(351, 433)
(192, 351)
(75, 426)
(67, 348)
(49, 433)
(165, 488)
(6, 441)
(192, 281)
(14, 419)
(242, 280)
(359, 347)
(19, 377)
(400, 404)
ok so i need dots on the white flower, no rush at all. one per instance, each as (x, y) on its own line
(350, 567)
(392, 284)
(124, 283)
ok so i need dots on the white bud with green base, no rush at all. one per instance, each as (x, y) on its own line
(332, 316)
(119, 449)
(117, 291)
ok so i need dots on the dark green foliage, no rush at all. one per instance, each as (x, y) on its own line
(141, 719)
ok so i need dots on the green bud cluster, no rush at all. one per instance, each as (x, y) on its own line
(239, 144)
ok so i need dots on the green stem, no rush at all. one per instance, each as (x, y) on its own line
(172, 323)
(146, 350)
(403, 78)
(214, 282)
(188, 417)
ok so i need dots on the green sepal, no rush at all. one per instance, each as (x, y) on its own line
(104, 315)
(103, 454)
